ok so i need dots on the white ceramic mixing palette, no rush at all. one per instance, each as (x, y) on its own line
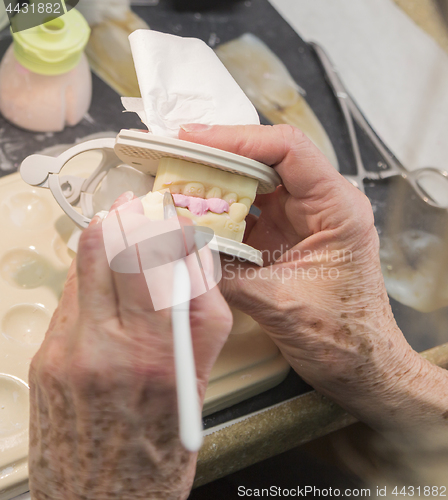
(34, 261)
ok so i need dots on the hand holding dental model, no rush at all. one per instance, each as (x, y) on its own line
(104, 420)
(103, 393)
(321, 295)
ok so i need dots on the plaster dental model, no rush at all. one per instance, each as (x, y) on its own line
(212, 198)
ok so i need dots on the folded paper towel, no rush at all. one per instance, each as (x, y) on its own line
(182, 81)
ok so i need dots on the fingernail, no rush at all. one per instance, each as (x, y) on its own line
(99, 217)
(195, 127)
(129, 195)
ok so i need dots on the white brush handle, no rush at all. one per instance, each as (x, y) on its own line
(190, 419)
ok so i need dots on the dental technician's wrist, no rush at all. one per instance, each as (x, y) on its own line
(397, 393)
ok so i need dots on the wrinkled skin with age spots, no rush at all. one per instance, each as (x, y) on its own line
(321, 295)
(103, 396)
(103, 405)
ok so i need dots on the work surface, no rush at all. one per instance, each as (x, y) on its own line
(309, 415)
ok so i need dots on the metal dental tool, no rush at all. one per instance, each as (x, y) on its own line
(353, 114)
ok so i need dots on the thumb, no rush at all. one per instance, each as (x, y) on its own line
(320, 197)
(303, 168)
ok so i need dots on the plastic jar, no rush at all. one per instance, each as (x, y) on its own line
(45, 79)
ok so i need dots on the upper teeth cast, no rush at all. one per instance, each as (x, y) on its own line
(215, 192)
(194, 189)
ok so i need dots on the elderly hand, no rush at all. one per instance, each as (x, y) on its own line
(321, 294)
(103, 395)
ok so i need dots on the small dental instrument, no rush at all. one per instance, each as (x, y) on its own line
(189, 411)
(353, 114)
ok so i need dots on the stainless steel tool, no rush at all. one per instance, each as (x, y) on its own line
(353, 114)
(169, 209)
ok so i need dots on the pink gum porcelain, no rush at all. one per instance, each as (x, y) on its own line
(199, 206)
(211, 197)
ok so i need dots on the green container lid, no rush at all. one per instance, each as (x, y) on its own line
(55, 47)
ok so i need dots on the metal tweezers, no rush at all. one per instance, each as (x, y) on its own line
(351, 112)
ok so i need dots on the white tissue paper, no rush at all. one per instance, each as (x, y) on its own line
(182, 81)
